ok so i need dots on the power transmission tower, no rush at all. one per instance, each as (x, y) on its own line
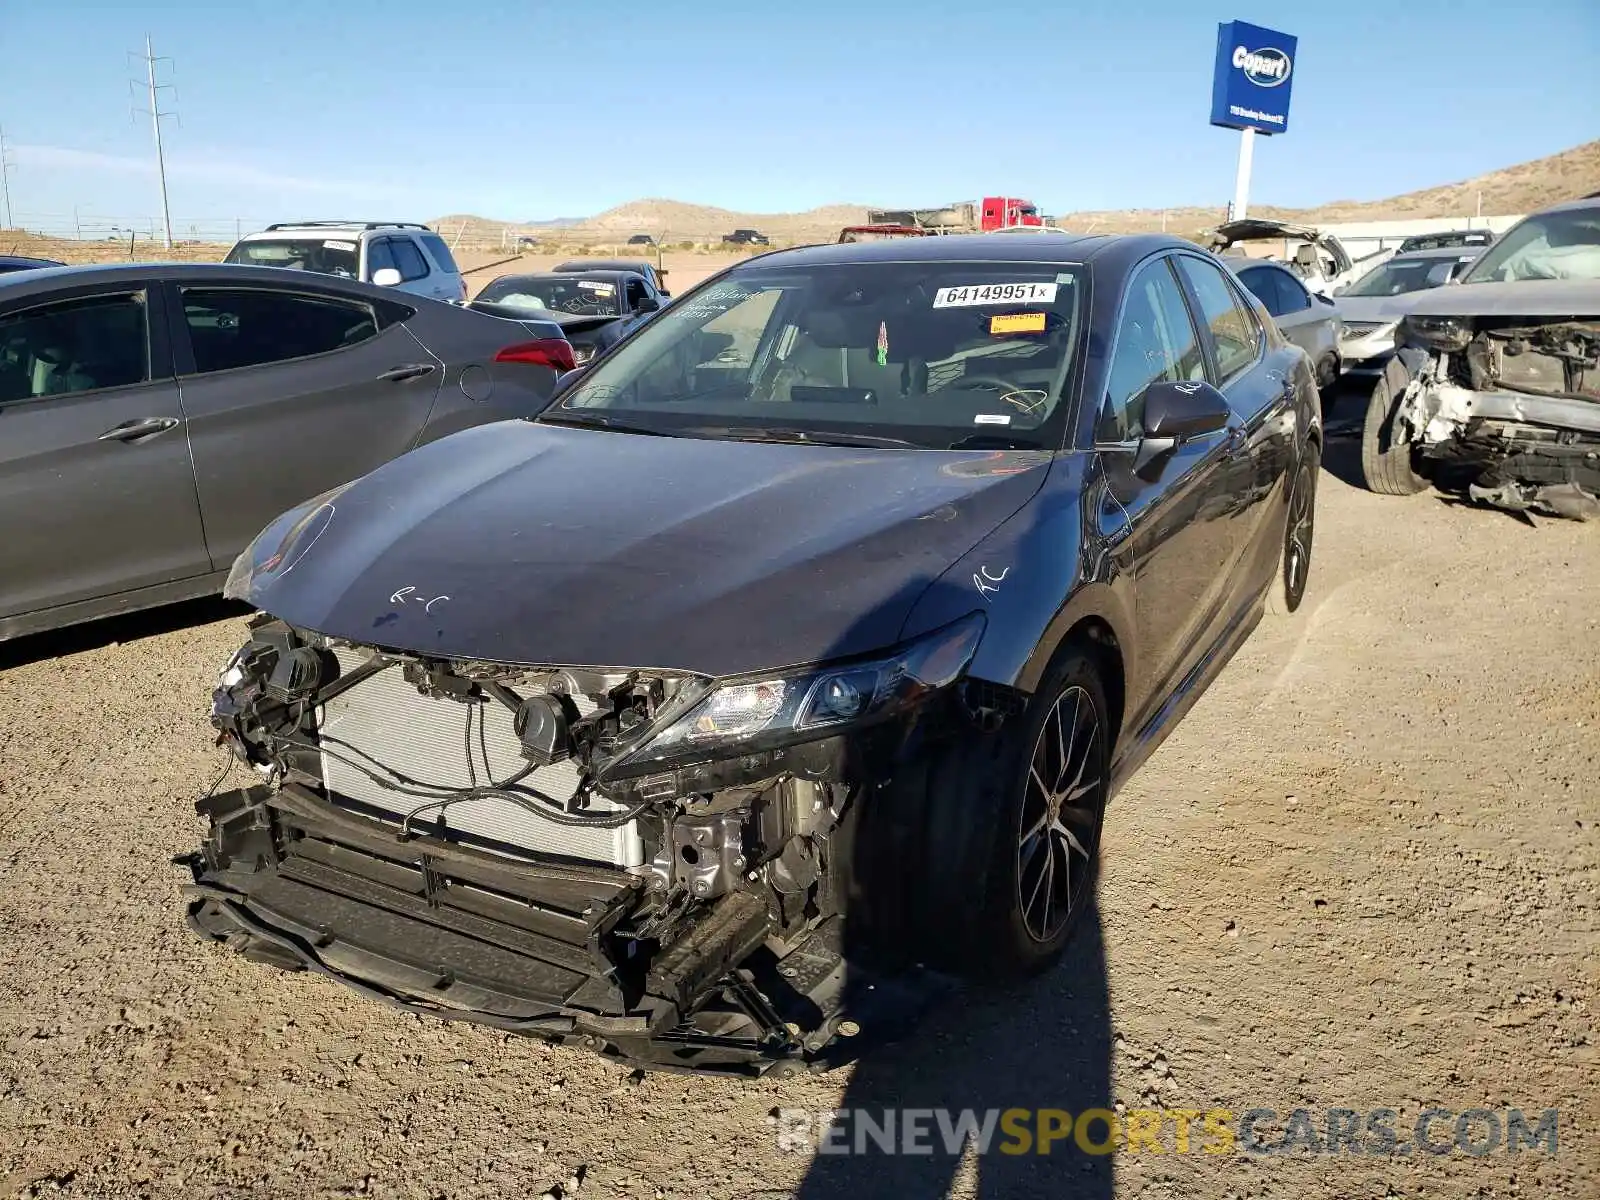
(7, 165)
(156, 115)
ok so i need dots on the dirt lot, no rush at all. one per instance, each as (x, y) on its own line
(1362, 874)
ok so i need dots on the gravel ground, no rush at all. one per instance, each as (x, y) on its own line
(1362, 874)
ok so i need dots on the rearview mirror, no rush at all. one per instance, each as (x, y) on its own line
(386, 277)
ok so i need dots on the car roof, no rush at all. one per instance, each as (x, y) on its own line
(1110, 250)
(1591, 203)
(1443, 252)
(567, 276)
(351, 230)
(637, 265)
(46, 280)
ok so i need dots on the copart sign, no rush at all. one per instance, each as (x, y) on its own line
(1252, 77)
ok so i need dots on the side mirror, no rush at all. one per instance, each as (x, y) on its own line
(567, 378)
(386, 277)
(1175, 412)
(647, 304)
(1184, 409)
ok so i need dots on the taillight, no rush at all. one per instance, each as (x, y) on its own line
(555, 353)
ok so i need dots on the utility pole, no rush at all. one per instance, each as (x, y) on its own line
(6, 167)
(155, 114)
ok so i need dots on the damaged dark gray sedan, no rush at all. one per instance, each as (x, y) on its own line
(782, 666)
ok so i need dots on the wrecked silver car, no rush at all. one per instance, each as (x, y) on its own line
(1495, 390)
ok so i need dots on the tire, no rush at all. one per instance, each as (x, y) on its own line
(1386, 465)
(1328, 373)
(1288, 588)
(966, 878)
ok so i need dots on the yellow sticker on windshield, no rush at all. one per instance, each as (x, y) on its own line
(1016, 323)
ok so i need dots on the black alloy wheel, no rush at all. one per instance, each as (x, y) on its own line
(1289, 586)
(1063, 799)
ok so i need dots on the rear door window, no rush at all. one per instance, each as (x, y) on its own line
(1292, 294)
(238, 327)
(442, 257)
(1263, 285)
(79, 345)
(409, 259)
(380, 257)
(1235, 337)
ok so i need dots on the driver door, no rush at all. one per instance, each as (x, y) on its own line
(1179, 538)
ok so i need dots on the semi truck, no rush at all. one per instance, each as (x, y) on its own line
(969, 216)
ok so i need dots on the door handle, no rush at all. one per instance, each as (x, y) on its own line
(139, 427)
(407, 371)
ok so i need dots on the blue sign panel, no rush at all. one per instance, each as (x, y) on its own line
(1253, 77)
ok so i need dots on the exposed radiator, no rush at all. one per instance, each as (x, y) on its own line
(385, 719)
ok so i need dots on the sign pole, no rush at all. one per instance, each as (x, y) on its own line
(1241, 179)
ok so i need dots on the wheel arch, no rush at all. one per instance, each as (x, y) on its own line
(1090, 621)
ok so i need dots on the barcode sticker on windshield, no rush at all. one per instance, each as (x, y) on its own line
(338, 245)
(605, 289)
(995, 293)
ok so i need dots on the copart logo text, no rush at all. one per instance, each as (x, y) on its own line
(1264, 68)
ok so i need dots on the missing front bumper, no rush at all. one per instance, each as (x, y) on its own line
(466, 935)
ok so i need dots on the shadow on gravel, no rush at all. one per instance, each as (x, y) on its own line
(1341, 456)
(109, 631)
(1044, 1045)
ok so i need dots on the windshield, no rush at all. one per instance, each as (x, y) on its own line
(564, 293)
(1558, 245)
(926, 355)
(1401, 275)
(326, 256)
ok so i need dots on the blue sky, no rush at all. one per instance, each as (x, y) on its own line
(532, 110)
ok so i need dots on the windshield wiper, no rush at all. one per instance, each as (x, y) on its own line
(596, 421)
(803, 437)
(994, 441)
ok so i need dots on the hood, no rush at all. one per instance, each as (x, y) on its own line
(1377, 308)
(527, 543)
(1257, 228)
(1518, 298)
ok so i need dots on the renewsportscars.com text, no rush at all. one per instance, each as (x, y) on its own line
(1378, 1131)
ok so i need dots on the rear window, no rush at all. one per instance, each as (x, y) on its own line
(440, 253)
(560, 293)
(932, 355)
(324, 255)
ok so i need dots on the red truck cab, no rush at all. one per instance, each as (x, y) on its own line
(1003, 212)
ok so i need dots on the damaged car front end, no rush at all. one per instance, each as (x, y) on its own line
(644, 863)
(1495, 392)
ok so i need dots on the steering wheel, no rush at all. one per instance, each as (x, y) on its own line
(1009, 392)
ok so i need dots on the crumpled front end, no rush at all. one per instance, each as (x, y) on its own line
(1507, 409)
(649, 864)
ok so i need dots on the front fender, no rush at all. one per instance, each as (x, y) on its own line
(1035, 577)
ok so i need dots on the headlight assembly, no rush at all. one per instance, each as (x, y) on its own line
(750, 714)
(1435, 333)
(278, 547)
